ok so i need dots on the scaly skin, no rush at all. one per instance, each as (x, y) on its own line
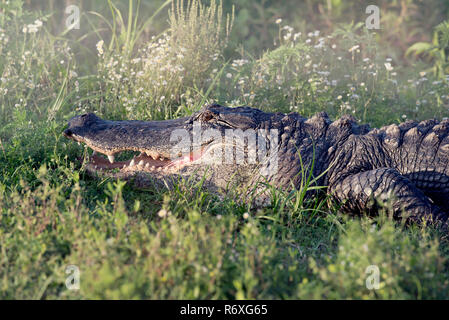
(406, 164)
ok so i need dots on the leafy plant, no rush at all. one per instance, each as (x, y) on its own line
(436, 51)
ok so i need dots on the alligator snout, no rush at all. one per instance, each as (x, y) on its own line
(67, 133)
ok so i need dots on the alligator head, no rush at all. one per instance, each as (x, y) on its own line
(239, 144)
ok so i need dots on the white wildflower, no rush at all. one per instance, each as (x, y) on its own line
(296, 36)
(163, 213)
(354, 48)
(388, 66)
(100, 47)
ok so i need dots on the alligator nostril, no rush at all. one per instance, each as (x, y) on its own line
(68, 133)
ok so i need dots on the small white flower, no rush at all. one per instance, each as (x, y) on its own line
(32, 28)
(354, 48)
(100, 47)
(229, 75)
(278, 21)
(162, 213)
(388, 66)
(245, 215)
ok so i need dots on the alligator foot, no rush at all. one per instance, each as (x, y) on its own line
(361, 192)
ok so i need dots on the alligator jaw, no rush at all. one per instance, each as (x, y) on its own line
(113, 137)
(147, 161)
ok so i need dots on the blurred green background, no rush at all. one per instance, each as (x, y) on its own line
(403, 22)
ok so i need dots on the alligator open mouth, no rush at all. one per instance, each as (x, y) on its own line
(141, 162)
(112, 141)
(145, 160)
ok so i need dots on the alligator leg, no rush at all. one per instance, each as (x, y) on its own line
(357, 193)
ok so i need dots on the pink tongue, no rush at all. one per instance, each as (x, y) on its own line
(190, 158)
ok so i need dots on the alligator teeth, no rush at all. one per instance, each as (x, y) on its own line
(111, 159)
(132, 163)
(94, 153)
(153, 168)
(124, 166)
(147, 165)
(141, 163)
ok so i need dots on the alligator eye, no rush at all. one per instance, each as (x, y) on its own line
(207, 116)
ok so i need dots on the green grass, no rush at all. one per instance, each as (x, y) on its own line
(185, 243)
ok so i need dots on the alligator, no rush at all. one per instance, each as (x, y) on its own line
(404, 165)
